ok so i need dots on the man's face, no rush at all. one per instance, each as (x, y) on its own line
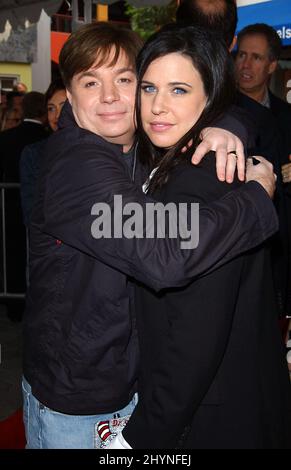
(253, 65)
(103, 100)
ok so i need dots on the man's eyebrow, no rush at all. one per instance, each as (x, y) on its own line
(124, 69)
(94, 73)
(87, 73)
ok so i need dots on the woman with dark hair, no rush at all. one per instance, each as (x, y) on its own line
(55, 98)
(213, 372)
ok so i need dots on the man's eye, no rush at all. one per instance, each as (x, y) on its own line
(90, 84)
(148, 88)
(125, 80)
(179, 91)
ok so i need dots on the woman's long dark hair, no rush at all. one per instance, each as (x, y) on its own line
(212, 60)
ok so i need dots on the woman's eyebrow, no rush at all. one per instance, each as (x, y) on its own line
(180, 83)
(170, 83)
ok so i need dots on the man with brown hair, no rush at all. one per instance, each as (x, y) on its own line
(259, 50)
(80, 344)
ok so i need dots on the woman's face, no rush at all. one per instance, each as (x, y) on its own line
(54, 107)
(172, 99)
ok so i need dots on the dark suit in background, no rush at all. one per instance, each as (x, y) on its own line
(282, 113)
(265, 139)
(12, 142)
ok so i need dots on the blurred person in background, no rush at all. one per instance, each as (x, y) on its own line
(31, 129)
(12, 142)
(10, 118)
(21, 87)
(31, 155)
(12, 111)
(259, 49)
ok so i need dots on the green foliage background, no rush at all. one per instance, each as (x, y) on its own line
(148, 20)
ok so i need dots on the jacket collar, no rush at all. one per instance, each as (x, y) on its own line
(67, 117)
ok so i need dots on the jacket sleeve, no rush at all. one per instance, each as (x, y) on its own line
(238, 222)
(234, 121)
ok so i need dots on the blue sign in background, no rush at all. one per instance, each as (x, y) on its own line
(276, 13)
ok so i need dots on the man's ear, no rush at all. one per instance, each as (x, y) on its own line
(233, 44)
(272, 67)
(69, 96)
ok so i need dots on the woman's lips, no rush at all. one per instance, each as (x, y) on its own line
(160, 126)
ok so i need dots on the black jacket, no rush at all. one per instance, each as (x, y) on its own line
(263, 136)
(80, 346)
(12, 142)
(269, 140)
(213, 364)
(282, 114)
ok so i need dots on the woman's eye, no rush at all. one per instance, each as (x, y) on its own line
(148, 88)
(51, 109)
(179, 91)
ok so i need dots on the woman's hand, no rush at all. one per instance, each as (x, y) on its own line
(286, 172)
(229, 153)
(263, 174)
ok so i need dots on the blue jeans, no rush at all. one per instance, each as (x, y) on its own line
(49, 429)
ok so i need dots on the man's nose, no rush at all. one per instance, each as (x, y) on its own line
(109, 92)
(246, 63)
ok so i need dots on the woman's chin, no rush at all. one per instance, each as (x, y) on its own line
(162, 142)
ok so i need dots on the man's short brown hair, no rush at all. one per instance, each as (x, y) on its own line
(95, 42)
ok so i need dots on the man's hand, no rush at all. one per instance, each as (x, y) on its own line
(286, 172)
(263, 174)
(223, 143)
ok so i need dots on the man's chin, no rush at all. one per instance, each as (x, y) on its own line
(126, 140)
